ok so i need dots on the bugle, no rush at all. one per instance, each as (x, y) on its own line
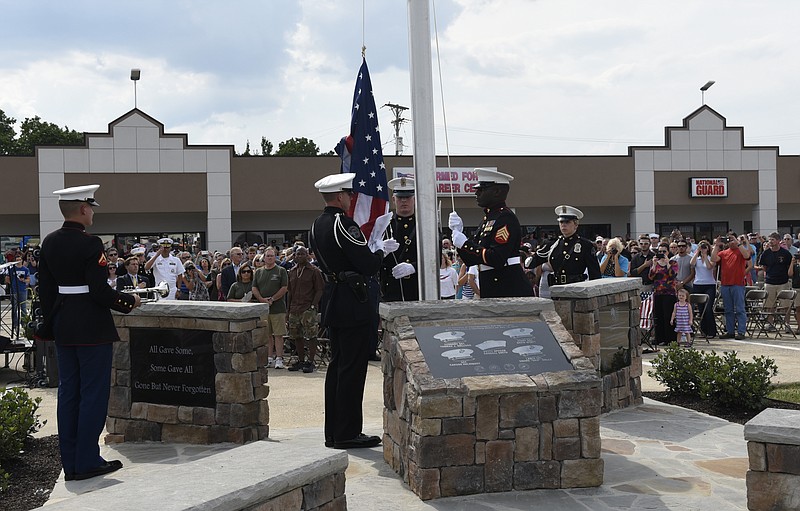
(150, 294)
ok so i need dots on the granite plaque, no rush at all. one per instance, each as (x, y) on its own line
(171, 366)
(506, 348)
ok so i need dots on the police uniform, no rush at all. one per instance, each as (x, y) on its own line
(495, 247)
(404, 230)
(76, 299)
(346, 262)
(569, 257)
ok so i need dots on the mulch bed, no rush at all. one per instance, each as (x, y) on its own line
(738, 416)
(33, 474)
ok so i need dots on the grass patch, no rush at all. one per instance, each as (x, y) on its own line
(786, 392)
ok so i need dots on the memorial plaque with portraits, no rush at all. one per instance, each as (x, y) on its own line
(475, 350)
(172, 366)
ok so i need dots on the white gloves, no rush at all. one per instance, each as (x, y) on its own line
(455, 223)
(403, 270)
(389, 246)
(459, 238)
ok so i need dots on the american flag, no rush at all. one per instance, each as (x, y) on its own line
(361, 153)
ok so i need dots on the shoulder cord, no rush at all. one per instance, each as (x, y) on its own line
(337, 228)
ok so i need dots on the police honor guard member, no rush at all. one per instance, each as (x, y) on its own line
(76, 299)
(347, 260)
(570, 255)
(495, 247)
(398, 272)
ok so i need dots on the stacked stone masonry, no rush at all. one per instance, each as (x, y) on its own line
(579, 306)
(480, 434)
(773, 449)
(325, 494)
(241, 413)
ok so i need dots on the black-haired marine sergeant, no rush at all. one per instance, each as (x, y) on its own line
(398, 273)
(347, 260)
(570, 255)
(495, 247)
(76, 298)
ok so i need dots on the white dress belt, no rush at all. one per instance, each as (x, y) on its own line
(509, 262)
(73, 290)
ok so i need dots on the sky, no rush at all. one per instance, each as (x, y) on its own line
(518, 77)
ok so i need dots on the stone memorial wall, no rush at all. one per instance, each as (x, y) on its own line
(603, 317)
(488, 425)
(773, 449)
(190, 372)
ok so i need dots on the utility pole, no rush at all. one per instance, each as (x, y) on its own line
(398, 121)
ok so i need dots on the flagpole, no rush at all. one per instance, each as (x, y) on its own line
(428, 247)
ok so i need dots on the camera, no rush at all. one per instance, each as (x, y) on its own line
(660, 256)
(613, 251)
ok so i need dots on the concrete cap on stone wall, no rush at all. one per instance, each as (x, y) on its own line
(597, 287)
(774, 426)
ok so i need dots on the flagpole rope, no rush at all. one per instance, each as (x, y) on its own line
(441, 90)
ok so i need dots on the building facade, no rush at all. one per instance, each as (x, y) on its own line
(704, 180)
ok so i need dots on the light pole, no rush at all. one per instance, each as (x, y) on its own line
(703, 90)
(135, 75)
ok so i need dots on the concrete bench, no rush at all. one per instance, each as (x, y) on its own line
(259, 475)
(773, 449)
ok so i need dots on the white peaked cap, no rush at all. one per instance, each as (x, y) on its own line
(78, 194)
(565, 212)
(493, 176)
(335, 183)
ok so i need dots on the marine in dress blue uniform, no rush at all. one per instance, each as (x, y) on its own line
(346, 261)
(495, 247)
(76, 302)
(398, 272)
(571, 256)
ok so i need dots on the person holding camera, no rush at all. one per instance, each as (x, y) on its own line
(663, 273)
(18, 277)
(732, 260)
(705, 283)
(613, 263)
(775, 260)
(641, 263)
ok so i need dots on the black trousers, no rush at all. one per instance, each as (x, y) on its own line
(662, 312)
(345, 380)
(708, 325)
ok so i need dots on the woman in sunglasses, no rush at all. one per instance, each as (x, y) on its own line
(242, 289)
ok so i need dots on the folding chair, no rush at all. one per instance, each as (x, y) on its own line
(756, 315)
(718, 309)
(784, 308)
(699, 304)
(646, 323)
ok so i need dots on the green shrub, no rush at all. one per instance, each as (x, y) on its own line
(4, 477)
(18, 420)
(725, 380)
(679, 370)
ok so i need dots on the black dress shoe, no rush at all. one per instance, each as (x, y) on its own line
(105, 468)
(360, 441)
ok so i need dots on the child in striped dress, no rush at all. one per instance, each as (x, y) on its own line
(682, 318)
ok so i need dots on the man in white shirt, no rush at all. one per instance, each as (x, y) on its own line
(165, 266)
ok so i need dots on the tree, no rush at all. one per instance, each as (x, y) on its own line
(297, 147)
(266, 147)
(33, 132)
(7, 134)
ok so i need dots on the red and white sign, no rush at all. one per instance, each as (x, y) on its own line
(708, 186)
(460, 181)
